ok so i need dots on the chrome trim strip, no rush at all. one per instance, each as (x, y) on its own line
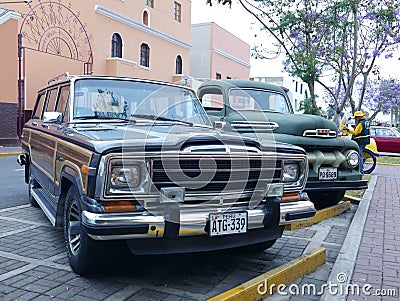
(256, 124)
(44, 208)
(192, 223)
(293, 207)
(314, 133)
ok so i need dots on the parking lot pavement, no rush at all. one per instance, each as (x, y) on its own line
(33, 264)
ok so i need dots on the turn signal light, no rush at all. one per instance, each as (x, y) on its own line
(290, 197)
(119, 206)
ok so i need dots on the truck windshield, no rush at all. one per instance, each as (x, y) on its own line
(127, 99)
(259, 100)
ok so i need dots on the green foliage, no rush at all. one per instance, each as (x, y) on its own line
(307, 107)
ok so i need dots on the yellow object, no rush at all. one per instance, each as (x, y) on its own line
(267, 283)
(320, 216)
(372, 145)
(359, 114)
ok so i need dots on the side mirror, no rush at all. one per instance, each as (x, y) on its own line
(52, 117)
(219, 125)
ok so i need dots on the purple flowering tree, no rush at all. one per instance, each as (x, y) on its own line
(335, 41)
(382, 95)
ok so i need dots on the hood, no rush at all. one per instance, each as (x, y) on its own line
(105, 138)
(291, 124)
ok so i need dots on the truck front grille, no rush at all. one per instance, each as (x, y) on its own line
(207, 174)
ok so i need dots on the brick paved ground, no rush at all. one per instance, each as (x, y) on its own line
(33, 264)
(378, 260)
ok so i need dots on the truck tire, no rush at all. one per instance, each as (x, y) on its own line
(81, 249)
(325, 199)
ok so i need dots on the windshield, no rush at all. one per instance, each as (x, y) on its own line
(260, 100)
(124, 99)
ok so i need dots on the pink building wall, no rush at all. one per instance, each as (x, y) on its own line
(215, 50)
(165, 36)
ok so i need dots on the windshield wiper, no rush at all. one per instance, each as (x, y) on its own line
(162, 118)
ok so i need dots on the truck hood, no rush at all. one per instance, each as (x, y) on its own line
(291, 124)
(105, 138)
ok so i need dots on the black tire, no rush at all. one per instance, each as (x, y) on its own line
(324, 199)
(369, 160)
(32, 184)
(81, 249)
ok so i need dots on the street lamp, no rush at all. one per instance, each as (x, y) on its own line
(12, 2)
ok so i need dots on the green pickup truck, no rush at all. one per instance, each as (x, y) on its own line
(264, 111)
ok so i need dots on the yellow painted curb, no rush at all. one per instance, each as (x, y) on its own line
(267, 283)
(387, 164)
(10, 154)
(320, 216)
(352, 199)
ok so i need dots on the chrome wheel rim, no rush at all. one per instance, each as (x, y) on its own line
(74, 228)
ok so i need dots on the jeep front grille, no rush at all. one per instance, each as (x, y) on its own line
(205, 175)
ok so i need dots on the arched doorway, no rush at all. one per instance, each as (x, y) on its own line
(53, 29)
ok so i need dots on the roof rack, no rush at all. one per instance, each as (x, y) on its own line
(58, 78)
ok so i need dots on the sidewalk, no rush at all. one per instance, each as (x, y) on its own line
(378, 260)
(370, 256)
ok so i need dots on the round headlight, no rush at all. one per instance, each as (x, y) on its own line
(290, 172)
(353, 159)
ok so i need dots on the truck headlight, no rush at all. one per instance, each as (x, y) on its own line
(352, 159)
(124, 177)
(290, 172)
(127, 177)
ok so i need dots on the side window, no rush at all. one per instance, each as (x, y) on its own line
(37, 114)
(51, 100)
(62, 105)
(213, 100)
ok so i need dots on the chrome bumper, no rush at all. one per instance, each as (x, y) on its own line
(297, 210)
(134, 225)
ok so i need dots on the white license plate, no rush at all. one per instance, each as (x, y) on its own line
(228, 223)
(327, 173)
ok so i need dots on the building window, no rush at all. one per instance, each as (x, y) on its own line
(116, 46)
(178, 65)
(177, 11)
(218, 75)
(146, 18)
(144, 55)
(301, 88)
(228, 77)
(149, 3)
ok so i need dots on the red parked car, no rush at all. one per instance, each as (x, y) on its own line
(387, 139)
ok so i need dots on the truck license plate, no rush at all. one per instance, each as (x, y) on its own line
(327, 173)
(228, 223)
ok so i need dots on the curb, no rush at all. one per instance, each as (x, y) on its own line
(387, 164)
(321, 215)
(346, 260)
(352, 199)
(267, 283)
(10, 154)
